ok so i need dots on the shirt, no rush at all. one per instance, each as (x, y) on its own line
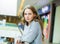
(32, 33)
(21, 26)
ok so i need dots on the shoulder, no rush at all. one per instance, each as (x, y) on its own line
(35, 23)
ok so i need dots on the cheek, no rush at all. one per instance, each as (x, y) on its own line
(31, 17)
(25, 16)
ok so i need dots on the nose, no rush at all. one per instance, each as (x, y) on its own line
(27, 15)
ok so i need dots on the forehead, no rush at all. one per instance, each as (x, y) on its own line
(28, 11)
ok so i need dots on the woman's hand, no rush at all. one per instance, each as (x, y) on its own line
(18, 42)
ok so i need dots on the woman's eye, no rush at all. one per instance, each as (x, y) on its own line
(27, 13)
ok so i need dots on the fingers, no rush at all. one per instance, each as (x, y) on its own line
(18, 42)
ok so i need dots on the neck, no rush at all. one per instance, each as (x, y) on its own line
(28, 23)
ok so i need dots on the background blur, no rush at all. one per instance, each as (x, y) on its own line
(48, 10)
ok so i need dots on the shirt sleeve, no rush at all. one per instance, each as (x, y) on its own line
(32, 34)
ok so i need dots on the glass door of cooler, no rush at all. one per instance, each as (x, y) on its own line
(45, 16)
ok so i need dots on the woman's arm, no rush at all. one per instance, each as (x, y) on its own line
(32, 34)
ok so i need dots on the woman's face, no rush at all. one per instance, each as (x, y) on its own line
(28, 15)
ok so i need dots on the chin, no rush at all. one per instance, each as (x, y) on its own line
(28, 20)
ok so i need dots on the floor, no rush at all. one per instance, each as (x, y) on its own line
(46, 42)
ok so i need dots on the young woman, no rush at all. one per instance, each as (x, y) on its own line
(32, 28)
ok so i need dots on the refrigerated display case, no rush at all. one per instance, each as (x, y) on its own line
(45, 16)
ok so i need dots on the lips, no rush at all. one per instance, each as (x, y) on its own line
(27, 19)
